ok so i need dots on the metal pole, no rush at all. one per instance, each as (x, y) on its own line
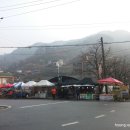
(82, 69)
(58, 71)
(103, 59)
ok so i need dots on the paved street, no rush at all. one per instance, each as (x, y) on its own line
(64, 115)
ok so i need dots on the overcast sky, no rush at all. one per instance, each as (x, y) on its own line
(26, 22)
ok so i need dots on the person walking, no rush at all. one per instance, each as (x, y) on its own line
(53, 92)
(78, 93)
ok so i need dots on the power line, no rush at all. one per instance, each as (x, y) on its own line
(29, 5)
(119, 42)
(74, 45)
(40, 54)
(39, 9)
(14, 47)
(69, 50)
(77, 45)
(116, 42)
(49, 46)
(68, 45)
(20, 4)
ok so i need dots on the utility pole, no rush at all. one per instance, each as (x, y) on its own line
(82, 71)
(103, 63)
(103, 58)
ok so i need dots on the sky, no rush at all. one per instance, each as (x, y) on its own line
(26, 22)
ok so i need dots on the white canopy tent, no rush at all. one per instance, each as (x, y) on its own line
(42, 88)
(29, 84)
(43, 83)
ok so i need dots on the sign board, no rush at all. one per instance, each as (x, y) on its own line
(106, 97)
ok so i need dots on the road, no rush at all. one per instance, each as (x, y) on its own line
(64, 115)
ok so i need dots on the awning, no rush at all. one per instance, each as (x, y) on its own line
(110, 80)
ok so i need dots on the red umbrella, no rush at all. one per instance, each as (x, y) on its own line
(2, 86)
(109, 80)
(8, 86)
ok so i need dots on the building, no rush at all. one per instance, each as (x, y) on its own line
(6, 79)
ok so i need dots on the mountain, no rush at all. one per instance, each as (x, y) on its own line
(41, 61)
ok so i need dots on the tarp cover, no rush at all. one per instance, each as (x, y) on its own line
(29, 84)
(9, 85)
(109, 80)
(19, 85)
(6, 85)
(2, 86)
(43, 83)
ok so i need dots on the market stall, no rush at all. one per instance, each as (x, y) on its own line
(115, 89)
(28, 87)
(19, 85)
(6, 90)
(42, 89)
(29, 84)
(120, 92)
(21, 91)
(86, 92)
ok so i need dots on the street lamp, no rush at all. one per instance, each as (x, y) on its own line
(59, 63)
(58, 68)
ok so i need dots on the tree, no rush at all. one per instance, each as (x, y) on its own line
(90, 63)
(93, 60)
(119, 68)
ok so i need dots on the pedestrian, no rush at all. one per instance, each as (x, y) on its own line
(78, 93)
(53, 92)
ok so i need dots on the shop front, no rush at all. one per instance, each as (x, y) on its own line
(86, 92)
(116, 90)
